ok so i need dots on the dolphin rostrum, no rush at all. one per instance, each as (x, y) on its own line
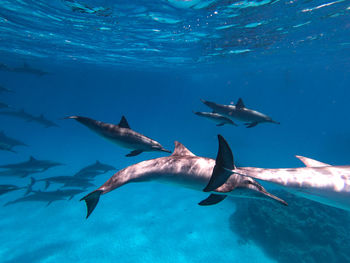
(216, 117)
(122, 135)
(240, 112)
(320, 182)
(185, 169)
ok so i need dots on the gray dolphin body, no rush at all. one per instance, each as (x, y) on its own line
(240, 112)
(94, 169)
(3, 89)
(4, 105)
(21, 114)
(7, 143)
(215, 117)
(6, 188)
(320, 182)
(32, 165)
(65, 180)
(43, 121)
(29, 70)
(38, 197)
(122, 135)
(185, 169)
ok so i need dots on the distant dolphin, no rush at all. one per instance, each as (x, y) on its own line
(15, 173)
(66, 180)
(216, 117)
(7, 143)
(32, 165)
(122, 135)
(9, 188)
(185, 169)
(43, 121)
(21, 114)
(37, 197)
(3, 89)
(94, 169)
(4, 105)
(29, 70)
(240, 112)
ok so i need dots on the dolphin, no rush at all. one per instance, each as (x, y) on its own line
(37, 197)
(5, 188)
(6, 147)
(32, 165)
(185, 169)
(84, 183)
(10, 142)
(43, 121)
(3, 89)
(122, 135)
(94, 169)
(240, 112)
(216, 117)
(29, 70)
(60, 193)
(320, 182)
(66, 180)
(4, 105)
(14, 173)
(21, 114)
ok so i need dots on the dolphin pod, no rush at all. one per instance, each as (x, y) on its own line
(251, 118)
(185, 169)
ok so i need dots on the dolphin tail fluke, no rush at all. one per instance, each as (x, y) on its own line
(29, 187)
(91, 201)
(223, 166)
(212, 199)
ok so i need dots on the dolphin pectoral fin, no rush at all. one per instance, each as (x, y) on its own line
(49, 203)
(134, 153)
(212, 199)
(223, 166)
(220, 124)
(91, 201)
(70, 198)
(251, 125)
(47, 184)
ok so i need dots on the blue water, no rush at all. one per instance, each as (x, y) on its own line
(153, 61)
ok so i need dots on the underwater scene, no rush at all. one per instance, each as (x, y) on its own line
(174, 131)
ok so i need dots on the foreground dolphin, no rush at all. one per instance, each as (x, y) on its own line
(185, 169)
(320, 182)
(240, 112)
(122, 135)
(215, 117)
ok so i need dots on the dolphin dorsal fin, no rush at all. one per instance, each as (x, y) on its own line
(240, 104)
(31, 158)
(311, 162)
(124, 123)
(181, 150)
